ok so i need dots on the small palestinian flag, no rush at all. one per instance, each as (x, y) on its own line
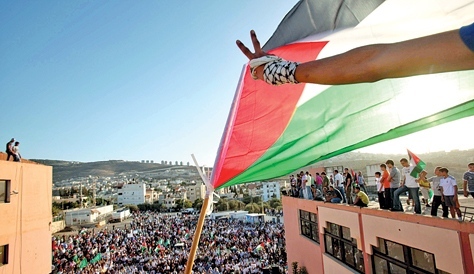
(418, 164)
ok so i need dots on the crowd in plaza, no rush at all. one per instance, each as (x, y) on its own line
(440, 190)
(158, 243)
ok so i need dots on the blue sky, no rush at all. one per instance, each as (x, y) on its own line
(137, 80)
(131, 80)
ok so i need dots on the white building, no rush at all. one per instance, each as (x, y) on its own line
(87, 215)
(131, 194)
(371, 169)
(270, 190)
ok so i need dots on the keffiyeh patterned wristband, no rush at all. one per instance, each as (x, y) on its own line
(277, 71)
(280, 72)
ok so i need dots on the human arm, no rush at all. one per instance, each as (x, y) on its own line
(464, 189)
(436, 53)
(442, 193)
(455, 193)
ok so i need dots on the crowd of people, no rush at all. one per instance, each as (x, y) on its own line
(437, 191)
(13, 150)
(158, 243)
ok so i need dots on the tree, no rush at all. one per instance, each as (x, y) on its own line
(133, 208)
(156, 206)
(256, 199)
(198, 204)
(56, 209)
(236, 205)
(222, 205)
(274, 203)
(187, 203)
(247, 199)
(179, 204)
(143, 207)
(253, 208)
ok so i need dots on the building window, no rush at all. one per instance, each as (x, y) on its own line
(3, 254)
(391, 257)
(4, 191)
(309, 225)
(340, 245)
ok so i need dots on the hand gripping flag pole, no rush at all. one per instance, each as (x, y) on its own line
(205, 209)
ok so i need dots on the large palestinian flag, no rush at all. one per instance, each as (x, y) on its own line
(273, 131)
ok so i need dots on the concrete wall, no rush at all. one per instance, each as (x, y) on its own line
(25, 222)
(435, 235)
(57, 226)
(299, 248)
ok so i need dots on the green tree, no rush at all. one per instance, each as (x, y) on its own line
(247, 199)
(253, 208)
(198, 204)
(179, 204)
(143, 207)
(256, 199)
(156, 206)
(187, 203)
(274, 203)
(56, 209)
(236, 205)
(133, 208)
(222, 205)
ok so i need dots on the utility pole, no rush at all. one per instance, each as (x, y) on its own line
(93, 194)
(80, 193)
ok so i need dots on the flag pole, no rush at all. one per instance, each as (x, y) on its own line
(197, 236)
(202, 216)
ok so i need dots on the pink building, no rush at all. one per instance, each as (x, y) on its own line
(336, 238)
(25, 217)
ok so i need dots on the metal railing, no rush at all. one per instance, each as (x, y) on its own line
(467, 213)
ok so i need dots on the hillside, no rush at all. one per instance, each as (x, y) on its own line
(455, 161)
(63, 170)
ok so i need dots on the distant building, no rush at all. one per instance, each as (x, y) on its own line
(195, 191)
(169, 200)
(151, 195)
(87, 215)
(330, 169)
(270, 190)
(151, 161)
(371, 169)
(131, 194)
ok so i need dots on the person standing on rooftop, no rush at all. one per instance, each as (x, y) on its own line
(9, 149)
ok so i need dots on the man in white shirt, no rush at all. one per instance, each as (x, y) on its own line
(437, 197)
(408, 184)
(304, 183)
(449, 190)
(339, 184)
(309, 181)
